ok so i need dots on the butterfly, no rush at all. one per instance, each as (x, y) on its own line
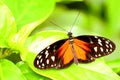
(80, 49)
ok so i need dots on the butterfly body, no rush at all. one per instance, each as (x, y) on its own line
(82, 49)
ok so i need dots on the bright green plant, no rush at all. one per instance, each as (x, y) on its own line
(22, 33)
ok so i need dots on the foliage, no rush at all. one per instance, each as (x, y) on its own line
(26, 28)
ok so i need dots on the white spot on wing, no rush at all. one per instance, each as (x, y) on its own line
(92, 58)
(99, 42)
(39, 56)
(58, 65)
(106, 50)
(39, 66)
(91, 41)
(54, 48)
(103, 38)
(47, 61)
(99, 54)
(52, 65)
(41, 60)
(46, 53)
(48, 47)
(53, 58)
(41, 52)
(43, 64)
(101, 49)
(107, 42)
(95, 49)
(107, 46)
(95, 36)
(110, 50)
(37, 62)
(95, 55)
(110, 45)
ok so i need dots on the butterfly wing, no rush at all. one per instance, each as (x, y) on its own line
(50, 57)
(99, 46)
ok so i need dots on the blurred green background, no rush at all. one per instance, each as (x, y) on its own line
(31, 22)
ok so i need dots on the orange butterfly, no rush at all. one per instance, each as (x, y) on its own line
(82, 49)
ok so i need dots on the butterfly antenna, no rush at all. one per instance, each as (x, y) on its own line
(75, 21)
(57, 25)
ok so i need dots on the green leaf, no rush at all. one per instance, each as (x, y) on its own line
(114, 64)
(9, 71)
(18, 40)
(30, 74)
(28, 14)
(91, 71)
(7, 25)
(28, 11)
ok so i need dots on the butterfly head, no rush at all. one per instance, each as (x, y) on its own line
(70, 35)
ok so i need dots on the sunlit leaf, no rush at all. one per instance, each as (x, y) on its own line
(30, 74)
(114, 64)
(7, 25)
(9, 71)
(28, 14)
(27, 11)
